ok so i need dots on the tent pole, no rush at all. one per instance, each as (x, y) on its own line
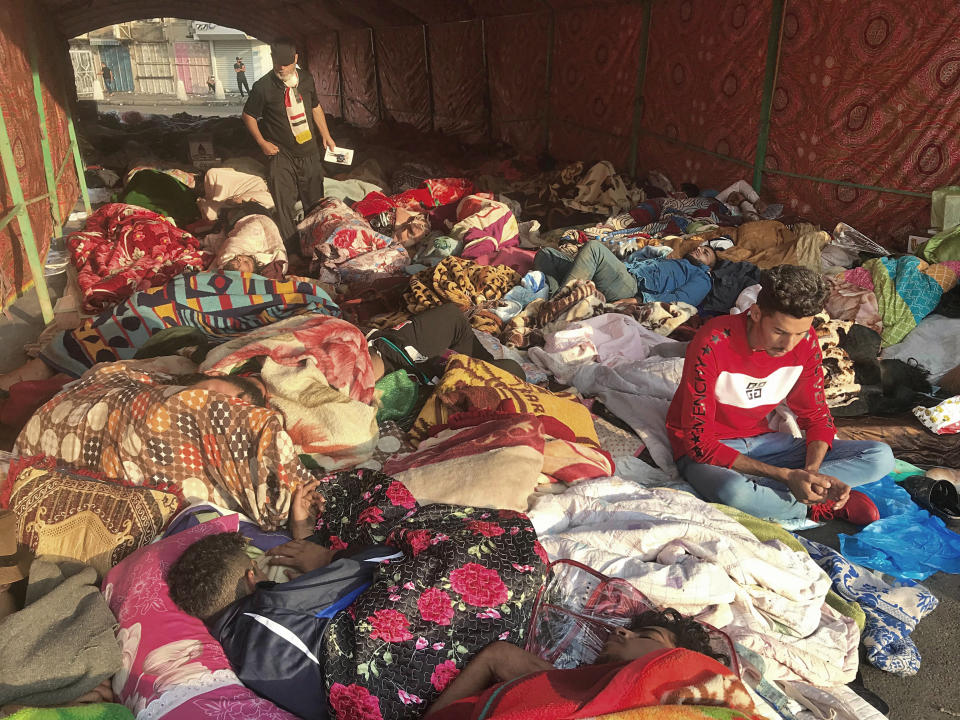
(488, 95)
(44, 134)
(23, 218)
(638, 100)
(774, 40)
(426, 60)
(376, 74)
(78, 160)
(343, 112)
(551, 22)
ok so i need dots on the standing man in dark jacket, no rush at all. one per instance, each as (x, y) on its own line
(241, 71)
(285, 102)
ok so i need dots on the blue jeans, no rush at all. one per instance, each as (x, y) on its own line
(851, 461)
(594, 261)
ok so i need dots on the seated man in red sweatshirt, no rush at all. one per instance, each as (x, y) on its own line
(738, 369)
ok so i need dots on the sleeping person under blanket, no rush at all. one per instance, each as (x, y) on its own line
(419, 344)
(393, 600)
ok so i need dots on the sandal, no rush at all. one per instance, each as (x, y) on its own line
(939, 497)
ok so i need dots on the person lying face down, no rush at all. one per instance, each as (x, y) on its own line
(272, 633)
(502, 662)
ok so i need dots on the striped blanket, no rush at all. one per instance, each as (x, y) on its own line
(220, 305)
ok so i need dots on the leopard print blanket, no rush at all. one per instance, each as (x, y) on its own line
(462, 282)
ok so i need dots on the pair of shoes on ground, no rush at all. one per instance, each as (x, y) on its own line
(858, 510)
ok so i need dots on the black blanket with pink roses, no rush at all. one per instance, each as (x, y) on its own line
(468, 577)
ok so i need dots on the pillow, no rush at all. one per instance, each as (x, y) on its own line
(70, 516)
(943, 419)
(172, 666)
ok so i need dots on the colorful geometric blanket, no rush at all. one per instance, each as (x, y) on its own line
(136, 427)
(674, 684)
(907, 289)
(220, 305)
(467, 578)
(125, 248)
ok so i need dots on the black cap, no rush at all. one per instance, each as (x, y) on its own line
(284, 52)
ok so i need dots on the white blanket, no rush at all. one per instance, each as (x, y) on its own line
(639, 393)
(683, 553)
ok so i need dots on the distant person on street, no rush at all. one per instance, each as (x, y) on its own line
(212, 84)
(107, 74)
(241, 70)
(290, 117)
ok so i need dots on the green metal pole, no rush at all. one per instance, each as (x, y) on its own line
(44, 135)
(26, 229)
(77, 160)
(769, 80)
(641, 82)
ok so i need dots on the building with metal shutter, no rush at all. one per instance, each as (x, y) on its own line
(227, 44)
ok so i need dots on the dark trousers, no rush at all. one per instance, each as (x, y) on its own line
(242, 83)
(291, 178)
(430, 334)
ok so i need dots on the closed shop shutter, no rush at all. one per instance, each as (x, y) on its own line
(225, 52)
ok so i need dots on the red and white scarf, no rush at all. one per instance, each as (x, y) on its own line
(296, 112)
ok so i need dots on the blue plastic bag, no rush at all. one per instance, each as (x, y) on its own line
(906, 542)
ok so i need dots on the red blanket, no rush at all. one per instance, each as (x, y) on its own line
(667, 677)
(124, 249)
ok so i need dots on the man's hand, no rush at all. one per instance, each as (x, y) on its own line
(306, 505)
(301, 556)
(807, 487)
(813, 487)
(839, 492)
(328, 143)
(269, 149)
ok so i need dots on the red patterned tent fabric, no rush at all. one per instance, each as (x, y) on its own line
(360, 100)
(872, 97)
(517, 62)
(866, 92)
(459, 79)
(595, 58)
(322, 61)
(23, 128)
(404, 85)
(704, 93)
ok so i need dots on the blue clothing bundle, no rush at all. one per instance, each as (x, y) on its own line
(668, 280)
(906, 542)
(892, 609)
